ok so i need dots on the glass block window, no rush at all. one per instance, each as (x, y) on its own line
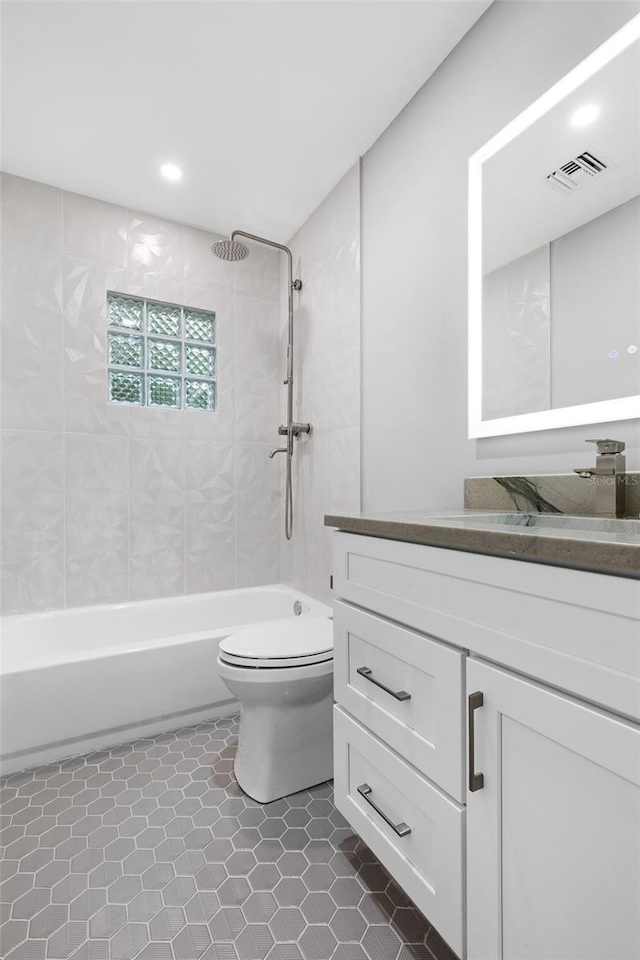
(161, 354)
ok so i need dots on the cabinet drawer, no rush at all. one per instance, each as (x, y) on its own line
(575, 630)
(427, 861)
(412, 698)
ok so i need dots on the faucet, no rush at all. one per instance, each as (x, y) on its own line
(609, 477)
(293, 430)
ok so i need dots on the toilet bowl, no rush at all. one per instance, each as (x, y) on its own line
(282, 674)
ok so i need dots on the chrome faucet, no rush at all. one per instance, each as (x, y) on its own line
(293, 430)
(608, 476)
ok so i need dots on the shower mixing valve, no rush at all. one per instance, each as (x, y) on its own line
(296, 429)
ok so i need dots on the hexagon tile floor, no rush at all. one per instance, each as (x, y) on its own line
(151, 851)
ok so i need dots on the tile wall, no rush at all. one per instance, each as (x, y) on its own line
(104, 503)
(326, 256)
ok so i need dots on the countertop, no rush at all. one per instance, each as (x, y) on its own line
(476, 531)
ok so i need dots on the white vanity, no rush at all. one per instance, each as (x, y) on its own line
(487, 743)
(487, 719)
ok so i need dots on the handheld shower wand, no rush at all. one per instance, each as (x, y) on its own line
(233, 250)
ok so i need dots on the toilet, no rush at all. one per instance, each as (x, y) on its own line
(282, 674)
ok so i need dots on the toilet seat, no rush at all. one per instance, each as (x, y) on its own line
(279, 644)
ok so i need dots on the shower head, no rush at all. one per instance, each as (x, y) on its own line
(231, 250)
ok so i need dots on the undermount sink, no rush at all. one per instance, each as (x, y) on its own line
(547, 521)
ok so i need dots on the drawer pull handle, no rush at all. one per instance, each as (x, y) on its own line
(398, 695)
(400, 828)
(476, 780)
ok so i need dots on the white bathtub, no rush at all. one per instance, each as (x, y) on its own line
(72, 681)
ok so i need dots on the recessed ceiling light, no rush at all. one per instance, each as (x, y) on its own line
(585, 115)
(171, 171)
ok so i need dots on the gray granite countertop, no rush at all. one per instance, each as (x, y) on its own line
(559, 540)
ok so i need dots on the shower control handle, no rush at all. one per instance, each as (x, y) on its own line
(296, 429)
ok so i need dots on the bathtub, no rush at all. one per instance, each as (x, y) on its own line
(74, 681)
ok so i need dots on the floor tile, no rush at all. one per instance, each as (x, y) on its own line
(150, 851)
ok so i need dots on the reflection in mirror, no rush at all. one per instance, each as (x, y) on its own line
(555, 254)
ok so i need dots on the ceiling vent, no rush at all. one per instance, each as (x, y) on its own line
(576, 172)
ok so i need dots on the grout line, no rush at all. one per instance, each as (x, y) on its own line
(183, 444)
(235, 429)
(64, 408)
(128, 517)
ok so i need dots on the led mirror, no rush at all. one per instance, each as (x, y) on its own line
(554, 254)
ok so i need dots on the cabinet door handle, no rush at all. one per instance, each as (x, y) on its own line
(397, 694)
(401, 829)
(476, 780)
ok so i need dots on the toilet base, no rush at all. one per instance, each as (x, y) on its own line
(285, 742)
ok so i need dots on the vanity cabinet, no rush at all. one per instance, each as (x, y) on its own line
(553, 835)
(541, 860)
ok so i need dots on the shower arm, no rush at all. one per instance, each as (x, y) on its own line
(291, 429)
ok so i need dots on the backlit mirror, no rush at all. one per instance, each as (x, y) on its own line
(554, 254)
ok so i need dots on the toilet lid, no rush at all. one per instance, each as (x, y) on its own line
(293, 642)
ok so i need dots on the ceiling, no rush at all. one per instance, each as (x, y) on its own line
(265, 105)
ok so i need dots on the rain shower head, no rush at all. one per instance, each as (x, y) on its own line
(231, 250)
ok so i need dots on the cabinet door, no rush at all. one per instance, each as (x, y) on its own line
(553, 833)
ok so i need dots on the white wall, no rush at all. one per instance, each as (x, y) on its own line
(104, 503)
(414, 260)
(326, 256)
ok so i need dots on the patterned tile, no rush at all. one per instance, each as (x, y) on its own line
(94, 230)
(258, 350)
(85, 283)
(32, 340)
(258, 515)
(155, 247)
(159, 856)
(31, 214)
(32, 521)
(96, 519)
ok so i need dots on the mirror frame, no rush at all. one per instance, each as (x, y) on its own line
(625, 408)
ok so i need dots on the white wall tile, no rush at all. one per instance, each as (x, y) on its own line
(210, 549)
(156, 552)
(31, 214)
(210, 515)
(93, 230)
(220, 299)
(257, 386)
(156, 472)
(258, 515)
(258, 275)
(210, 474)
(32, 339)
(200, 265)
(154, 286)
(334, 225)
(96, 519)
(32, 521)
(155, 247)
(152, 496)
(327, 374)
(85, 347)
